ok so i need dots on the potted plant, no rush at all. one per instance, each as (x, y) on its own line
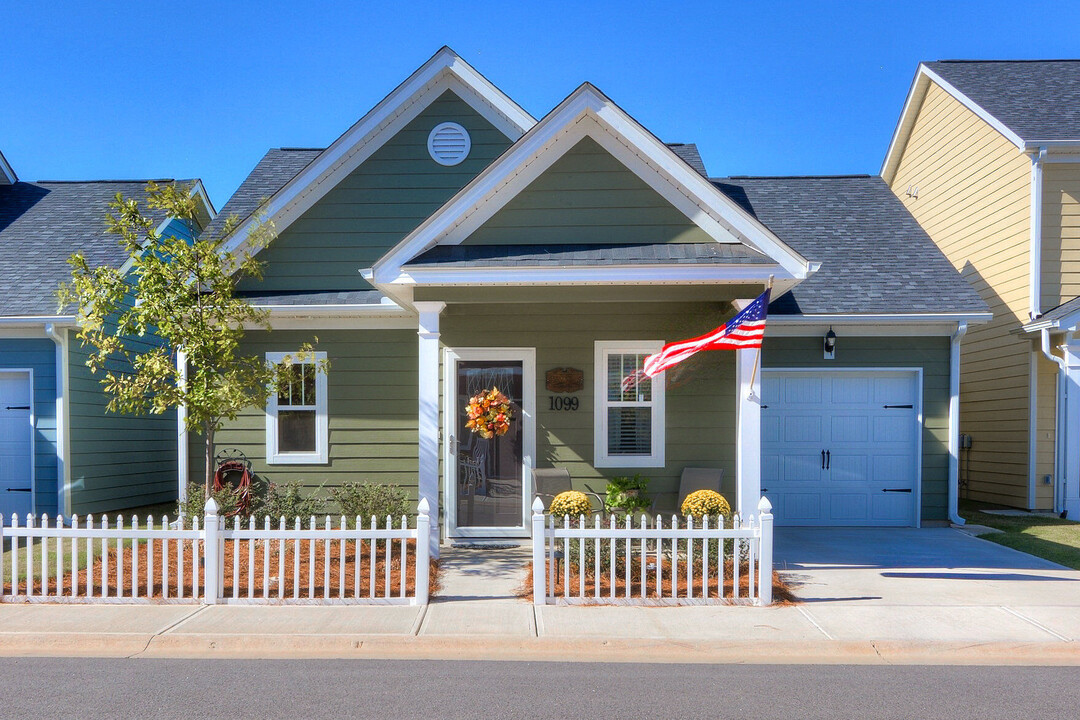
(628, 495)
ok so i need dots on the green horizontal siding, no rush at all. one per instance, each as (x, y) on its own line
(929, 353)
(371, 402)
(377, 205)
(587, 196)
(700, 401)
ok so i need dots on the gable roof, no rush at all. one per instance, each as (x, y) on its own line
(42, 224)
(875, 258)
(587, 112)
(1032, 103)
(7, 174)
(444, 70)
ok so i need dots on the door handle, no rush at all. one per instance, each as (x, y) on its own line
(828, 459)
(822, 459)
(905, 407)
(903, 490)
(18, 407)
(18, 489)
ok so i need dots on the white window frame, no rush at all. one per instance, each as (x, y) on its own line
(322, 423)
(601, 458)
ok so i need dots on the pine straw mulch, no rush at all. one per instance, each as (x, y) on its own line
(783, 593)
(317, 590)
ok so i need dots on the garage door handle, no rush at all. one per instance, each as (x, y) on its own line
(18, 407)
(908, 407)
(822, 459)
(828, 459)
(907, 490)
(18, 489)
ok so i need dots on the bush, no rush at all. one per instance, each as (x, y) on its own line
(702, 503)
(572, 503)
(368, 500)
(227, 500)
(286, 501)
(628, 494)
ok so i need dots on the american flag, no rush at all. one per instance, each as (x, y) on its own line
(745, 330)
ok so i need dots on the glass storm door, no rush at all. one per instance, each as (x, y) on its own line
(490, 478)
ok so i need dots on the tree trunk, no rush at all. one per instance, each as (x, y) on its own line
(208, 433)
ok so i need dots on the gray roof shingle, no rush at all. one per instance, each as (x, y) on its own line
(690, 155)
(1036, 99)
(344, 297)
(42, 224)
(712, 253)
(875, 258)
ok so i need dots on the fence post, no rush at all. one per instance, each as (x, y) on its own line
(765, 548)
(539, 543)
(423, 551)
(212, 570)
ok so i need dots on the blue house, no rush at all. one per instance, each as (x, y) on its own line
(60, 452)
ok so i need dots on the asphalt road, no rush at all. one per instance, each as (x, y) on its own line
(234, 689)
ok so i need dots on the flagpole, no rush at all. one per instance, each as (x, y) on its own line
(757, 360)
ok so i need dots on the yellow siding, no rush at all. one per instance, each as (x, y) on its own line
(1061, 234)
(973, 200)
(1047, 417)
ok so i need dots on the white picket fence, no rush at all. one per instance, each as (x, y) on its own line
(210, 562)
(589, 561)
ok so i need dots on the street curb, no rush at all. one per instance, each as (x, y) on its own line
(369, 647)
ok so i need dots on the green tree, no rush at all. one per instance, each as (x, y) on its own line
(183, 290)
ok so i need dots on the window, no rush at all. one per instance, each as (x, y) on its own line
(296, 418)
(629, 422)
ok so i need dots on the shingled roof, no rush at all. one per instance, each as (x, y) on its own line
(594, 254)
(875, 258)
(1037, 99)
(42, 224)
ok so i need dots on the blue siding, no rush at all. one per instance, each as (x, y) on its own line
(40, 356)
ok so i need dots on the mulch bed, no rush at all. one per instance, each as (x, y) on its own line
(317, 589)
(782, 592)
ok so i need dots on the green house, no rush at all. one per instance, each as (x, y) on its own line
(449, 244)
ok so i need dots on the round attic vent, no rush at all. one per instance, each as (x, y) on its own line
(448, 143)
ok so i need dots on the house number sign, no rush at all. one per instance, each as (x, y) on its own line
(565, 380)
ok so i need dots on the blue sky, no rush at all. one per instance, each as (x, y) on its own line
(201, 89)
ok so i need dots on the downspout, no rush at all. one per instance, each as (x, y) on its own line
(61, 419)
(1061, 420)
(954, 424)
(1035, 239)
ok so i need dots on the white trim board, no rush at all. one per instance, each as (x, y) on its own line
(444, 71)
(589, 113)
(7, 173)
(527, 357)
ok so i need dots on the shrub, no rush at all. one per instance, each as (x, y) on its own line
(572, 503)
(227, 500)
(628, 494)
(286, 501)
(702, 503)
(368, 500)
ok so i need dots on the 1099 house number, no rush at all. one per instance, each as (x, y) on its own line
(564, 403)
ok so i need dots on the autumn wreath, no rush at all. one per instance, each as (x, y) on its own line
(489, 413)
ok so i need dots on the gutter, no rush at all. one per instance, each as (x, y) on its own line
(974, 318)
(954, 424)
(25, 320)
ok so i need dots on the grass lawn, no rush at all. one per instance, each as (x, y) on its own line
(1044, 536)
(84, 558)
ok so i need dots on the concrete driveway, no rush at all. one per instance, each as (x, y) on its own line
(858, 581)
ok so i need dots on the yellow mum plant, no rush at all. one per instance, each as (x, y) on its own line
(700, 503)
(572, 503)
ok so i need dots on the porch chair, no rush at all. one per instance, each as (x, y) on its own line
(549, 482)
(694, 479)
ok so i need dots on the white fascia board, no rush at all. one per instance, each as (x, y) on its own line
(199, 191)
(385, 316)
(596, 274)
(1061, 324)
(7, 173)
(912, 104)
(29, 320)
(444, 71)
(880, 318)
(587, 112)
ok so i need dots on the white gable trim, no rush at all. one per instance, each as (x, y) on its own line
(923, 77)
(594, 275)
(444, 71)
(587, 112)
(7, 174)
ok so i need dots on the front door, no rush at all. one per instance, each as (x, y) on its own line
(488, 489)
(16, 444)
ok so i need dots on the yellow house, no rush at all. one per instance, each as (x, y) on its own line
(986, 156)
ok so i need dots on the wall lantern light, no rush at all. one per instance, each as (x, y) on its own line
(830, 345)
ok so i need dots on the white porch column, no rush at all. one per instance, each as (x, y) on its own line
(1069, 434)
(428, 331)
(747, 431)
(181, 431)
